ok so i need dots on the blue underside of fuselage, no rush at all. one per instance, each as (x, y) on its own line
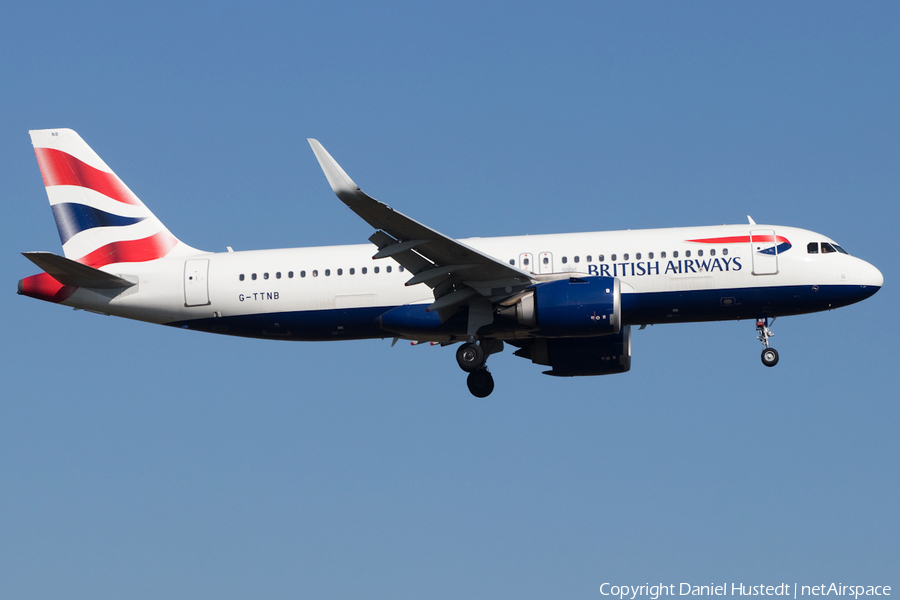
(637, 309)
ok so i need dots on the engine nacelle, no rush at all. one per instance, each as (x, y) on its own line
(574, 357)
(573, 307)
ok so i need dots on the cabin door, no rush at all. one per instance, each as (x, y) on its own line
(196, 288)
(764, 250)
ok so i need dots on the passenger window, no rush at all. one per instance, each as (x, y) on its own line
(625, 256)
(376, 269)
(699, 252)
(687, 253)
(315, 273)
(352, 271)
(400, 268)
(637, 256)
(340, 271)
(588, 258)
(675, 254)
(512, 262)
(253, 276)
(577, 259)
(650, 255)
(600, 258)
(724, 251)
(662, 254)
(564, 260)
(365, 270)
(327, 272)
(278, 275)
(290, 274)
(613, 258)
(546, 261)
(265, 275)
(712, 252)
(388, 268)
(241, 276)
(812, 248)
(302, 273)
(525, 262)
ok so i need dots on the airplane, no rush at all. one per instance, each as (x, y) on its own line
(565, 301)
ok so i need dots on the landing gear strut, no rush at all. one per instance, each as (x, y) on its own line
(763, 333)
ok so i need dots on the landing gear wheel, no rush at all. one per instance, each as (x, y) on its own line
(770, 357)
(481, 383)
(470, 357)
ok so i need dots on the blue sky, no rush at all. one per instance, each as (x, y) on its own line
(143, 462)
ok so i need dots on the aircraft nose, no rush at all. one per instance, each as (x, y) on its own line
(869, 279)
(871, 276)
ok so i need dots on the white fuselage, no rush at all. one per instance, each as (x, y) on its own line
(336, 279)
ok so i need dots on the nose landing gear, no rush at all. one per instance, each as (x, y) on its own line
(763, 333)
(770, 357)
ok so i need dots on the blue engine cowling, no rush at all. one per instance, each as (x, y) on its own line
(574, 357)
(575, 307)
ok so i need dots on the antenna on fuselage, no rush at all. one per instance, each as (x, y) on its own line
(752, 222)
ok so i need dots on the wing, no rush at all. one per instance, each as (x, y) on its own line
(458, 274)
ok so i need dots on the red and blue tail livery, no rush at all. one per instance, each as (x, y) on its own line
(99, 219)
(564, 301)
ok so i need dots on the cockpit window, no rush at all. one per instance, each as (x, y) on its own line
(827, 248)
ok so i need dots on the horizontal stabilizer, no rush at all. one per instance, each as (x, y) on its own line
(69, 272)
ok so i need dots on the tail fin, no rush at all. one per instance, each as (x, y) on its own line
(100, 220)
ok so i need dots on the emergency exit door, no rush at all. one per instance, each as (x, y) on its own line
(526, 262)
(545, 262)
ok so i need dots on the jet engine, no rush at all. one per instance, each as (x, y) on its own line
(573, 307)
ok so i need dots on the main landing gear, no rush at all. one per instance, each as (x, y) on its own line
(471, 357)
(480, 382)
(763, 333)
